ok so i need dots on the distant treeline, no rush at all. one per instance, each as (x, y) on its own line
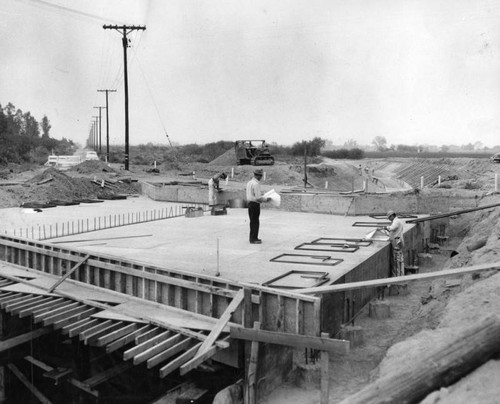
(205, 153)
(25, 140)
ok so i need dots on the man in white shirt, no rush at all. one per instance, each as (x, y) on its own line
(254, 199)
(395, 230)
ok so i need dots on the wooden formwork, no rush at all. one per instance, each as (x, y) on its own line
(210, 296)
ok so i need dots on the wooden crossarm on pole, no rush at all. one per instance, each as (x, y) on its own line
(68, 274)
(294, 340)
(400, 279)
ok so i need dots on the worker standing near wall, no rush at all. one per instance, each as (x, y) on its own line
(395, 230)
(254, 199)
(213, 188)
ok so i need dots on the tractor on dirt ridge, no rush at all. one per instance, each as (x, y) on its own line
(254, 152)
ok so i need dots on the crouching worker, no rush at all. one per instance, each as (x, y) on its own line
(213, 188)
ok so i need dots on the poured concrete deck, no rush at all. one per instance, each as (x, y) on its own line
(209, 244)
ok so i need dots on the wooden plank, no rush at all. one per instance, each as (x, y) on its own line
(80, 327)
(298, 341)
(181, 359)
(91, 338)
(63, 308)
(11, 308)
(107, 374)
(251, 376)
(325, 375)
(199, 359)
(221, 324)
(156, 349)
(23, 338)
(126, 339)
(95, 328)
(456, 212)
(68, 274)
(43, 306)
(75, 318)
(57, 303)
(20, 298)
(112, 336)
(147, 335)
(29, 386)
(401, 279)
(168, 353)
(143, 346)
(64, 315)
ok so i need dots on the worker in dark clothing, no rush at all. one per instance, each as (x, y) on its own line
(254, 199)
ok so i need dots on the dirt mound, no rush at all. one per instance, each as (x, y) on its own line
(226, 159)
(92, 166)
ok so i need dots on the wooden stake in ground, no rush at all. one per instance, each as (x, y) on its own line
(441, 367)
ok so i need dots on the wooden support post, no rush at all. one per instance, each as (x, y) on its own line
(68, 274)
(325, 374)
(250, 385)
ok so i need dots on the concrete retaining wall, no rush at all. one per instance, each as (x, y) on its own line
(422, 202)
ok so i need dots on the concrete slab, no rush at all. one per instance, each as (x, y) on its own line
(211, 244)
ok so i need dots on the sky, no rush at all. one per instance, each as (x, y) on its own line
(413, 71)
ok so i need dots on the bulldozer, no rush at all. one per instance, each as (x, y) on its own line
(254, 152)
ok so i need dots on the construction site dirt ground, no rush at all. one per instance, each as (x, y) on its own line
(427, 316)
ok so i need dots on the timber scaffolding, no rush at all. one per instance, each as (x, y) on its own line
(171, 321)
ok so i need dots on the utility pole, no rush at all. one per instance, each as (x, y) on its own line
(125, 29)
(95, 131)
(100, 128)
(107, 121)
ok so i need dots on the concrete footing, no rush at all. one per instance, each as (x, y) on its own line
(352, 333)
(379, 309)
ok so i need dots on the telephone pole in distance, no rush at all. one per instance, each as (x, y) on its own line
(107, 121)
(100, 128)
(124, 30)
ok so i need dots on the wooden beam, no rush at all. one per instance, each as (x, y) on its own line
(251, 378)
(401, 279)
(441, 365)
(221, 323)
(454, 213)
(180, 360)
(325, 375)
(113, 336)
(37, 393)
(68, 274)
(156, 349)
(199, 359)
(23, 338)
(295, 340)
(203, 352)
(107, 374)
(145, 345)
(174, 350)
(126, 339)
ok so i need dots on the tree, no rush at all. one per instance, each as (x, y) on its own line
(351, 144)
(313, 147)
(45, 127)
(380, 142)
